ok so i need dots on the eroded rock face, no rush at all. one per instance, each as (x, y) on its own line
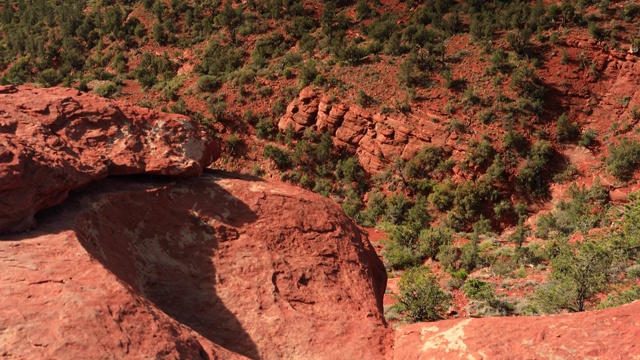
(57, 139)
(606, 334)
(210, 267)
(377, 139)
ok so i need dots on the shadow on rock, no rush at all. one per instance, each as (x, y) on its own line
(161, 241)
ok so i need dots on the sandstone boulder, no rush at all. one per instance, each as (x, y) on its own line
(56, 140)
(210, 267)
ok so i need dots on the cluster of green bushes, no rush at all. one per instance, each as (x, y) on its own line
(601, 262)
(312, 162)
(530, 175)
(152, 67)
(582, 269)
(52, 57)
(584, 211)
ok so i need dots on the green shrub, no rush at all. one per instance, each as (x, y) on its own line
(630, 12)
(552, 296)
(530, 174)
(588, 138)
(107, 90)
(352, 54)
(265, 129)
(399, 256)
(19, 72)
(487, 116)
(280, 157)
(323, 187)
(481, 153)
(624, 159)
(470, 255)
(349, 170)
(497, 171)
(150, 67)
(478, 290)
(383, 27)
(278, 108)
(233, 143)
(49, 77)
(180, 107)
(425, 162)
(307, 44)
(352, 205)
(300, 26)
(418, 216)
(449, 256)
(430, 240)
(499, 61)
(459, 274)
(471, 198)
(420, 296)
(265, 91)
(376, 206)
(219, 60)
(307, 74)
(580, 272)
(269, 46)
(208, 83)
(217, 107)
(530, 87)
(621, 297)
(364, 100)
(442, 196)
(503, 266)
(363, 10)
(395, 208)
(519, 40)
(582, 212)
(516, 141)
(566, 130)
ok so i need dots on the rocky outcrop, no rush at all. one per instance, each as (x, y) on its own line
(56, 140)
(220, 266)
(210, 267)
(377, 139)
(606, 334)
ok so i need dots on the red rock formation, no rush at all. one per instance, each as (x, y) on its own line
(219, 266)
(55, 140)
(377, 139)
(607, 334)
(212, 266)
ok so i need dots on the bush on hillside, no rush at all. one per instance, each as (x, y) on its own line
(624, 159)
(420, 296)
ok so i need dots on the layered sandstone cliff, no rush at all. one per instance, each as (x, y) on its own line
(377, 139)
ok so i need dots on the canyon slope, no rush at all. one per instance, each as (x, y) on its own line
(219, 266)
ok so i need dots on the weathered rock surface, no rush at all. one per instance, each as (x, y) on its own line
(210, 267)
(607, 334)
(57, 139)
(377, 139)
